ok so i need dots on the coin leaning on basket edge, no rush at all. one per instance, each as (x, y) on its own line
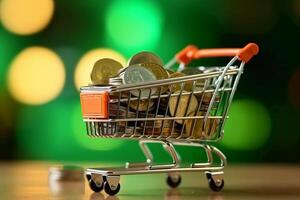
(145, 57)
(104, 69)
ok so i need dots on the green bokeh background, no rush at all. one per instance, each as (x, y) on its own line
(263, 126)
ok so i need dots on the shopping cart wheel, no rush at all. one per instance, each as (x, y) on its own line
(173, 180)
(111, 190)
(94, 186)
(215, 181)
(88, 177)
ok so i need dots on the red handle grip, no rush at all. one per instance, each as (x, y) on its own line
(192, 52)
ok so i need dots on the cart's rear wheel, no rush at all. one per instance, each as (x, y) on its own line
(215, 184)
(88, 177)
(94, 186)
(174, 180)
(111, 190)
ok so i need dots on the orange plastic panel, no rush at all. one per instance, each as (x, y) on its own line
(94, 105)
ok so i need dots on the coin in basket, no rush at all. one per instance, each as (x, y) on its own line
(114, 110)
(191, 71)
(188, 85)
(196, 129)
(104, 69)
(158, 71)
(207, 97)
(115, 81)
(157, 131)
(170, 71)
(155, 123)
(66, 173)
(146, 115)
(122, 114)
(163, 103)
(129, 130)
(145, 57)
(199, 84)
(142, 105)
(183, 104)
(136, 74)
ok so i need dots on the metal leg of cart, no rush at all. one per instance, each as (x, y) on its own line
(214, 173)
(149, 157)
(109, 178)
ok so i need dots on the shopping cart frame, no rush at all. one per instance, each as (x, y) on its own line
(109, 178)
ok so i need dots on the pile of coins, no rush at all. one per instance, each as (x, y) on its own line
(179, 99)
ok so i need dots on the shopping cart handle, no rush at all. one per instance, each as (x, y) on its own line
(191, 52)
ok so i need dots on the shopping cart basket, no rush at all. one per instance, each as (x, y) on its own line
(105, 116)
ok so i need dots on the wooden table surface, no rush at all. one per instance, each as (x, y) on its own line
(29, 180)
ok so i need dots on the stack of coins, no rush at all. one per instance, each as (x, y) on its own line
(65, 179)
(163, 104)
(197, 129)
(66, 173)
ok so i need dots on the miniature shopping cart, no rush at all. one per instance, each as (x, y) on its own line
(105, 116)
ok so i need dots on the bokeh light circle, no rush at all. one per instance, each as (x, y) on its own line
(85, 65)
(26, 17)
(135, 25)
(248, 126)
(81, 137)
(36, 76)
(294, 85)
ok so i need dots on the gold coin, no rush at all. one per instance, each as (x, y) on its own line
(207, 97)
(188, 86)
(104, 69)
(156, 123)
(170, 71)
(158, 131)
(196, 70)
(145, 57)
(191, 71)
(201, 132)
(183, 105)
(142, 105)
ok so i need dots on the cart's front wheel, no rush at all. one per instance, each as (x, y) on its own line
(94, 186)
(174, 180)
(111, 190)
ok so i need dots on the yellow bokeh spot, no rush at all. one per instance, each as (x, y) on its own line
(36, 76)
(26, 17)
(86, 63)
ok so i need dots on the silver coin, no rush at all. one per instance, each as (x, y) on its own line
(115, 81)
(137, 74)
